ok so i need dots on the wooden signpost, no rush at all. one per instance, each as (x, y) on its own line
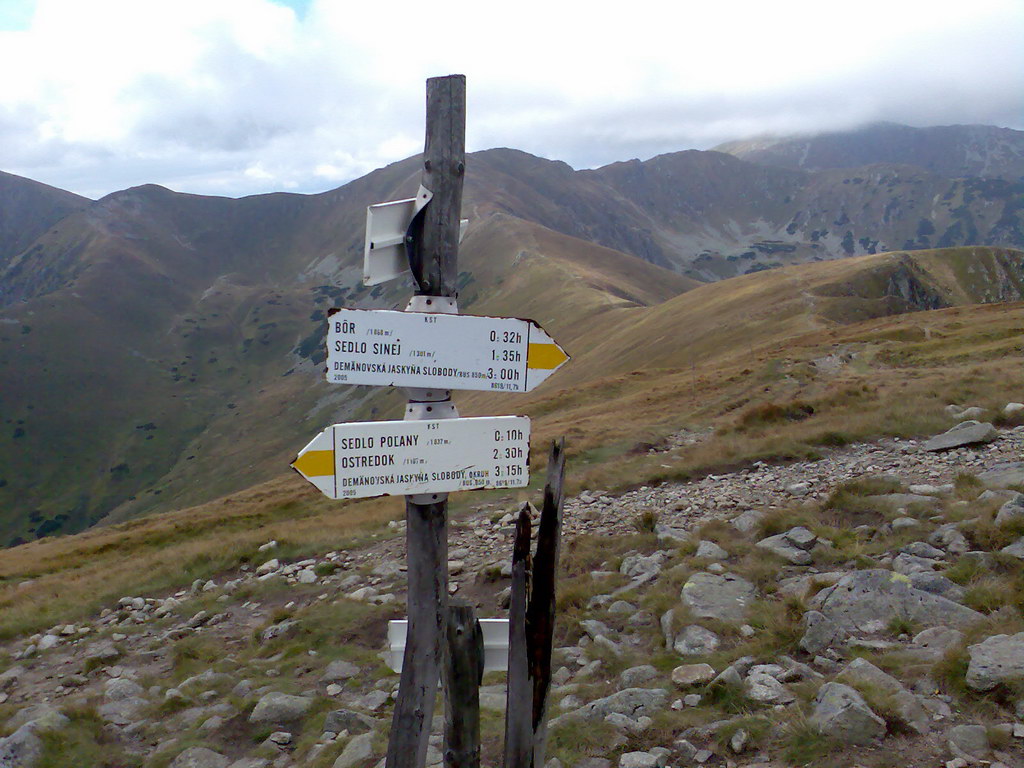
(430, 350)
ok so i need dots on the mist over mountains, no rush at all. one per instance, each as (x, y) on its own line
(158, 349)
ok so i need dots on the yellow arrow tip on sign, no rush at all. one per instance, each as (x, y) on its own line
(545, 356)
(315, 463)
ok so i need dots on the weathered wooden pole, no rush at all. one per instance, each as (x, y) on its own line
(433, 253)
(532, 624)
(462, 672)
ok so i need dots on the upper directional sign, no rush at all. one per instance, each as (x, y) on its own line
(417, 349)
(377, 458)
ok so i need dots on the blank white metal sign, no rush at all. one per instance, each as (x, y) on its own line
(382, 347)
(381, 458)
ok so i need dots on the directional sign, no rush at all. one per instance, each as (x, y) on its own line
(416, 349)
(382, 458)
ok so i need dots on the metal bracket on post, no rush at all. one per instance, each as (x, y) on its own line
(430, 404)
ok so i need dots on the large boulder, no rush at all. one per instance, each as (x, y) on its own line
(868, 600)
(841, 712)
(726, 597)
(861, 672)
(966, 433)
(998, 659)
(1012, 511)
(280, 708)
(22, 749)
(1003, 475)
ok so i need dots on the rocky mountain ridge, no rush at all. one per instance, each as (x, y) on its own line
(838, 612)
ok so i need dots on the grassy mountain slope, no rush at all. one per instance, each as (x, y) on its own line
(834, 356)
(27, 210)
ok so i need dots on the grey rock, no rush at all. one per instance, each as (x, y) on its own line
(935, 641)
(841, 712)
(765, 689)
(801, 538)
(121, 688)
(747, 521)
(634, 676)
(997, 660)
(798, 489)
(781, 546)
(47, 642)
(338, 671)
(865, 598)
(280, 708)
(200, 757)
(908, 709)
(358, 749)
(1012, 511)
(22, 749)
(727, 597)
(347, 720)
(969, 742)
(39, 717)
(667, 533)
(902, 523)
(642, 565)
(638, 760)
(9, 678)
(123, 711)
(923, 549)
(687, 675)
(1003, 475)
(966, 433)
(695, 640)
(205, 681)
(595, 628)
(923, 489)
(950, 538)
(285, 628)
(1016, 549)
(374, 700)
(631, 702)
(621, 607)
(102, 652)
(821, 633)
(710, 551)
(729, 676)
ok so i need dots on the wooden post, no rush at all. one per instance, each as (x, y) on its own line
(519, 694)
(532, 624)
(433, 253)
(435, 235)
(463, 670)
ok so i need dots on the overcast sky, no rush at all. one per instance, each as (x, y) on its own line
(236, 97)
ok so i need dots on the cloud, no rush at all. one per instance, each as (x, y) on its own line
(245, 96)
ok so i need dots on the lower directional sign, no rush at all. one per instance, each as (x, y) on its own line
(380, 458)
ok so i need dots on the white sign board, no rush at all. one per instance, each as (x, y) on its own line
(495, 632)
(382, 347)
(381, 458)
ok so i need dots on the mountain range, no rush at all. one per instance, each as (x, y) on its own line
(158, 349)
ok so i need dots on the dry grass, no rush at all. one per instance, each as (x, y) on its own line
(74, 576)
